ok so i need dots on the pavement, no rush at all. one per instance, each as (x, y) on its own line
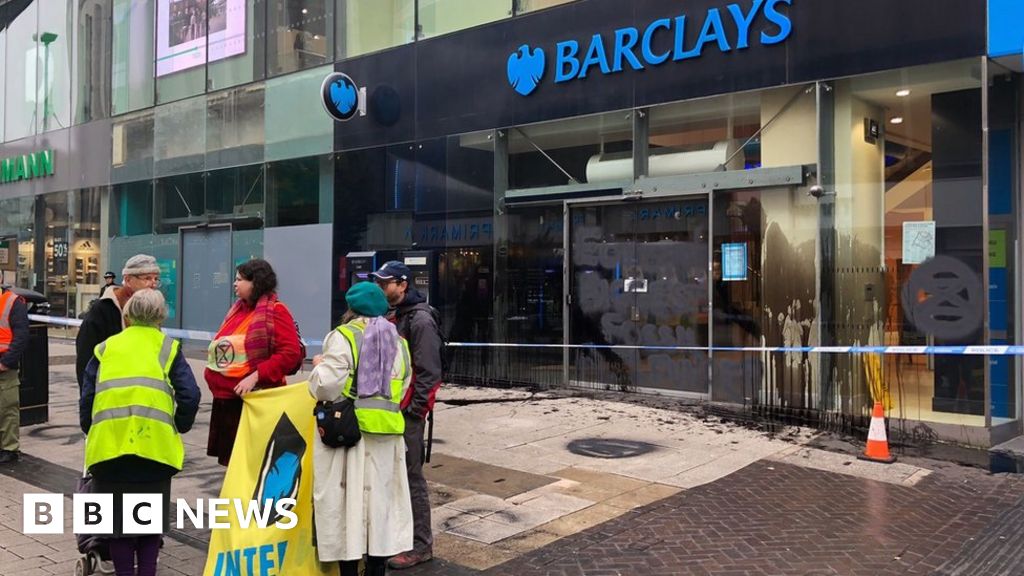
(557, 484)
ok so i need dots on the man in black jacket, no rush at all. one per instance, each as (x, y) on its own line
(417, 322)
(104, 317)
(13, 341)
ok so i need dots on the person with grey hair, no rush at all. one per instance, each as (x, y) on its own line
(105, 317)
(138, 397)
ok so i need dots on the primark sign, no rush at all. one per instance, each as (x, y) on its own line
(26, 166)
(676, 38)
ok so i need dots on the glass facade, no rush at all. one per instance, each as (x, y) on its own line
(365, 26)
(659, 244)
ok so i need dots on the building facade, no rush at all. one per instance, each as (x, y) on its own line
(619, 195)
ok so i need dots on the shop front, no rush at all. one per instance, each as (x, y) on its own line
(641, 196)
(669, 195)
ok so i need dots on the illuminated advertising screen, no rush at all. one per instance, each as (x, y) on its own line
(182, 38)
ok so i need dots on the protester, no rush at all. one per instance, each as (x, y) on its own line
(138, 397)
(13, 342)
(415, 321)
(104, 318)
(256, 347)
(108, 283)
(361, 497)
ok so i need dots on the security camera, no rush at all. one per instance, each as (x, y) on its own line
(817, 191)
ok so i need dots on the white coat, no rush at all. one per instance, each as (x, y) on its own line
(361, 502)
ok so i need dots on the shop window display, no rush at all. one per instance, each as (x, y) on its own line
(917, 219)
(17, 218)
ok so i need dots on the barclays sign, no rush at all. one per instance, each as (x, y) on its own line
(728, 29)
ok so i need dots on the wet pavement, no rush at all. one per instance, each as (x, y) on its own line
(773, 518)
(556, 484)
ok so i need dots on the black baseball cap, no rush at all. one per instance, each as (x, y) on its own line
(110, 274)
(393, 270)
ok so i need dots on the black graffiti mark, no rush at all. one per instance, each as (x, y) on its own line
(952, 305)
(609, 448)
(52, 433)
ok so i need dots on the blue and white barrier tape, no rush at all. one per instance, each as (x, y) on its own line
(990, 350)
(197, 335)
(932, 350)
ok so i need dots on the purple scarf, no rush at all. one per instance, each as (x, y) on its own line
(377, 358)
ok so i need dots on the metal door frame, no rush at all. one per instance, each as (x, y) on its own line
(634, 198)
(181, 261)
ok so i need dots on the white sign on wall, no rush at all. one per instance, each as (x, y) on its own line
(918, 241)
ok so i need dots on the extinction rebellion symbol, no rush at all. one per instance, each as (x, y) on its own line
(224, 354)
(943, 298)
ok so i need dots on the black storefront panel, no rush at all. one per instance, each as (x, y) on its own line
(463, 80)
(389, 78)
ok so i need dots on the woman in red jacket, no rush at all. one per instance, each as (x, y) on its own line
(256, 347)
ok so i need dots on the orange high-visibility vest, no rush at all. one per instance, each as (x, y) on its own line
(6, 305)
(226, 353)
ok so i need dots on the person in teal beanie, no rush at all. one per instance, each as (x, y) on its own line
(361, 499)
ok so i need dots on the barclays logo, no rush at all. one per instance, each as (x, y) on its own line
(342, 99)
(733, 28)
(525, 69)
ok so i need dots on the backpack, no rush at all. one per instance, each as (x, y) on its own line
(302, 343)
(302, 350)
(435, 314)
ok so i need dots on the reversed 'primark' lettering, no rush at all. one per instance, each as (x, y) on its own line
(26, 167)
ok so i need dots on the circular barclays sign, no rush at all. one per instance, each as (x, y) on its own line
(340, 96)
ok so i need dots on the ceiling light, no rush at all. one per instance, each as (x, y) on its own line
(897, 120)
(305, 11)
(903, 93)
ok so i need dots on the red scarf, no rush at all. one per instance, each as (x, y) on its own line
(258, 337)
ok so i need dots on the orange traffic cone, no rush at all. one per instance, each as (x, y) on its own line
(877, 449)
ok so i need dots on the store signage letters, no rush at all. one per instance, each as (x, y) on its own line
(729, 29)
(456, 232)
(26, 167)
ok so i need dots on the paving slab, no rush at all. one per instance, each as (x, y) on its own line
(895, 473)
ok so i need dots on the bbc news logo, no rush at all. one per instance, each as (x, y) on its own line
(144, 513)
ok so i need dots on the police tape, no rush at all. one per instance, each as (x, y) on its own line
(977, 350)
(196, 335)
(987, 350)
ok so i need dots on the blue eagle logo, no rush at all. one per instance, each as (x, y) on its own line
(344, 96)
(281, 469)
(525, 69)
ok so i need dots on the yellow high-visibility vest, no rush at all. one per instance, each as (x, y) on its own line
(133, 411)
(376, 414)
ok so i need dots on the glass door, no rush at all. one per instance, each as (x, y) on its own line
(638, 295)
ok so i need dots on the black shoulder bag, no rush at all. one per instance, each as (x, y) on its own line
(336, 421)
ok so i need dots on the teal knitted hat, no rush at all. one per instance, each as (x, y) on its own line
(367, 299)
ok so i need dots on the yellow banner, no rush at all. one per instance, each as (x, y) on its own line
(272, 462)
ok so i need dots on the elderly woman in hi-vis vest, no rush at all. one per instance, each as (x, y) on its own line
(138, 397)
(361, 502)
